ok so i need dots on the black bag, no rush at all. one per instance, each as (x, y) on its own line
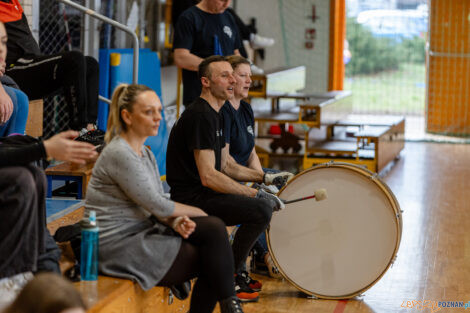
(72, 234)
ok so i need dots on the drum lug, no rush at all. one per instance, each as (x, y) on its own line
(393, 260)
(374, 176)
(313, 297)
(329, 163)
(398, 216)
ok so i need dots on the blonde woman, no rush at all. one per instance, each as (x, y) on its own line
(145, 236)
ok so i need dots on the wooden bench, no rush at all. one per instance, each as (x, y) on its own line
(109, 294)
(376, 143)
(278, 80)
(67, 171)
(315, 109)
(63, 212)
(35, 118)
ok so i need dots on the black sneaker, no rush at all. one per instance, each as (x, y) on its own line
(230, 305)
(244, 292)
(95, 137)
(256, 285)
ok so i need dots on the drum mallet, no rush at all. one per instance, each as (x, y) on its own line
(319, 194)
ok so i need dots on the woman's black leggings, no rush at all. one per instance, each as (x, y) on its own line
(206, 254)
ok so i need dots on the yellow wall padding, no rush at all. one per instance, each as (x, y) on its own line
(448, 95)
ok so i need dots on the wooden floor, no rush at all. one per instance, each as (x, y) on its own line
(432, 183)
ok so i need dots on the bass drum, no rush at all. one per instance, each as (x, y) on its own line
(339, 247)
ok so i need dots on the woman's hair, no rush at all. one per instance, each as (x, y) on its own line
(124, 97)
(235, 60)
(47, 293)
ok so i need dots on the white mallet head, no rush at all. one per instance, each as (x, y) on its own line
(320, 194)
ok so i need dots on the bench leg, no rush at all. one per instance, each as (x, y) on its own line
(79, 189)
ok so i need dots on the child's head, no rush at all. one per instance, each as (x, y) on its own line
(48, 293)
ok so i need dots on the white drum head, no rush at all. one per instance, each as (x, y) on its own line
(338, 247)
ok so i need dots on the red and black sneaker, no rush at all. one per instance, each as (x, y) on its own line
(244, 292)
(256, 285)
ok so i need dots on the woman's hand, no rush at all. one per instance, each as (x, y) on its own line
(6, 106)
(184, 226)
(62, 147)
(3, 67)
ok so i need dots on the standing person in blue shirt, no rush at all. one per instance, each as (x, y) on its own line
(201, 31)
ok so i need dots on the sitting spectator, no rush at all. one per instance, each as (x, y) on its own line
(25, 243)
(144, 236)
(43, 75)
(201, 173)
(13, 102)
(239, 122)
(48, 293)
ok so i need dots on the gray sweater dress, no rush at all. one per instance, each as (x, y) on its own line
(125, 191)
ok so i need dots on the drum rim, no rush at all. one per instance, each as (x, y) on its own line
(399, 225)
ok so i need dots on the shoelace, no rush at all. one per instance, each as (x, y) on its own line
(247, 278)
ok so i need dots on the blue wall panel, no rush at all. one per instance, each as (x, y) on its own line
(149, 74)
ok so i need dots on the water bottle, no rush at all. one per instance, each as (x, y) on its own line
(89, 248)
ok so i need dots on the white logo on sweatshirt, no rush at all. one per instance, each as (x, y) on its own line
(228, 31)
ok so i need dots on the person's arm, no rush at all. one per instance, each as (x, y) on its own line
(17, 155)
(215, 180)
(188, 210)
(134, 179)
(185, 33)
(6, 105)
(239, 172)
(185, 59)
(60, 147)
(180, 219)
(254, 162)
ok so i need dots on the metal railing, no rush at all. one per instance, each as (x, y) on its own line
(135, 40)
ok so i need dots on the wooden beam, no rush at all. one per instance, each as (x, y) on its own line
(337, 37)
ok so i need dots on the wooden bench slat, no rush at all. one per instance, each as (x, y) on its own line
(35, 118)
